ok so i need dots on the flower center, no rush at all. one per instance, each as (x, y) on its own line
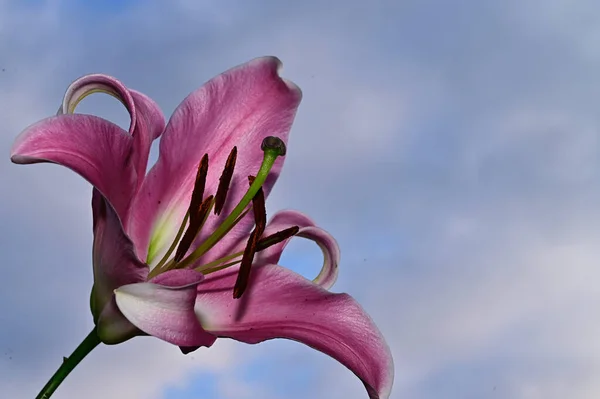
(201, 207)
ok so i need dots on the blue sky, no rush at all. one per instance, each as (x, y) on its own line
(452, 148)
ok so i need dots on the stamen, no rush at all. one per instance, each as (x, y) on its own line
(260, 217)
(225, 181)
(196, 224)
(163, 264)
(276, 238)
(273, 148)
(262, 244)
(244, 272)
(199, 186)
(258, 206)
(220, 267)
(165, 258)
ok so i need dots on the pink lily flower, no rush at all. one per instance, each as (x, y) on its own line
(186, 267)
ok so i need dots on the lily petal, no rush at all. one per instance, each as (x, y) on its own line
(149, 125)
(237, 108)
(114, 260)
(113, 328)
(147, 120)
(164, 308)
(282, 304)
(329, 246)
(95, 148)
(286, 218)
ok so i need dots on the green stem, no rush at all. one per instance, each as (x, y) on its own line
(85, 347)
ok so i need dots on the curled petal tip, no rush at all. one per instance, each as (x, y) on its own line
(19, 159)
(277, 67)
(269, 60)
(294, 88)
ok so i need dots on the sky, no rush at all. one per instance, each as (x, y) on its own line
(452, 148)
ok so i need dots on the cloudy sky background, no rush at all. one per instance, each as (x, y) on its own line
(451, 147)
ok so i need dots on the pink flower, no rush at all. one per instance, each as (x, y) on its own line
(172, 262)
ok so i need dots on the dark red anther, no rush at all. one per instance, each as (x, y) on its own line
(245, 267)
(258, 207)
(199, 186)
(276, 238)
(260, 218)
(193, 229)
(225, 181)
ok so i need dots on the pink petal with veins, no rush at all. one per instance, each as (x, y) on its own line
(282, 304)
(164, 308)
(239, 108)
